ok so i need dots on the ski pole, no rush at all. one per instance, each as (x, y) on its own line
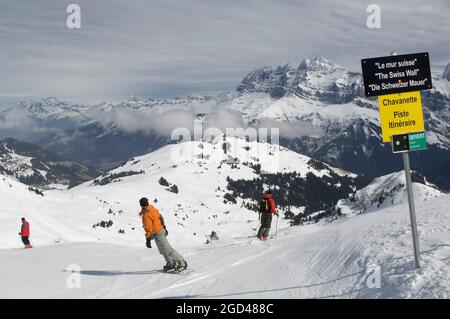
(259, 222)
(276, 228)
(257, 228)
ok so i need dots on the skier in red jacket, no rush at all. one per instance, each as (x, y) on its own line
(25, 233)
(267, 208)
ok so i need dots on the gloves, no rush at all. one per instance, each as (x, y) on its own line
(148, 243)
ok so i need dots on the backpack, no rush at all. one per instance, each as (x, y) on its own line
(264, 206)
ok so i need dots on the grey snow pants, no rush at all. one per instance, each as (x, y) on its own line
(170, 255)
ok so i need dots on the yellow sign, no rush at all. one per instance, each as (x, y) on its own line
(400, 114)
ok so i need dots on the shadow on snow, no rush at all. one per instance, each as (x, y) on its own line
(106, 273)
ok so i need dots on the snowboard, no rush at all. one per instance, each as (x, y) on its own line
(177, 272)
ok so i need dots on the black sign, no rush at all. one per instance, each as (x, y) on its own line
(396, 74)
(400, 143)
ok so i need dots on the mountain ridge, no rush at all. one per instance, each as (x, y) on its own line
(35, 166)
(318, 107)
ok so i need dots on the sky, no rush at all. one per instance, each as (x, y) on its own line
(166, 48)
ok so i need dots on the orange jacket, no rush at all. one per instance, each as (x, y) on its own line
(151, 219)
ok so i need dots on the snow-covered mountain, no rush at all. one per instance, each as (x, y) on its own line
(31, 120)
(316, 79)
(194, 178)
(35, 166)
(387, 191)
(52, 109)
(184, 181)
(198, 186)
(318, 106)
(350, 135)
(102, 147)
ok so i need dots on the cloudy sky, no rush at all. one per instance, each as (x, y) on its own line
(172, 47)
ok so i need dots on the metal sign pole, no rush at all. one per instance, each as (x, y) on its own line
(412, 211)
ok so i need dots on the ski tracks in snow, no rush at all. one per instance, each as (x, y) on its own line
(334, 260)
(210, 266)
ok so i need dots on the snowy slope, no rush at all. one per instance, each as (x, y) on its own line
(323, 260)
(56, 217)
(200, 172)
(386, 191)
(334, 260)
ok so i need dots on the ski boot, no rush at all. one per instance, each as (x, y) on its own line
(169, 266)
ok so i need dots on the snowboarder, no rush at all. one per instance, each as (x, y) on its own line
(267, 208)
(155, 229)
(25, 233)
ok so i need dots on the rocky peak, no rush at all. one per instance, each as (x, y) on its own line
(446, 74)
(316, 78)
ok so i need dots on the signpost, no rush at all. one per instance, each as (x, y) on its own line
(400, 143)
(396, 74)
(417, 141)
(409, 142)
(401, 115)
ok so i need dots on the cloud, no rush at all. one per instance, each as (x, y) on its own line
(171, 47)
(213, 124)
(298, 128)
(19, 119)
(223, 119)
(132, 120)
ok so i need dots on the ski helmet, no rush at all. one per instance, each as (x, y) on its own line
(143, 202)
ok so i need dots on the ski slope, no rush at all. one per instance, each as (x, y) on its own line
(324, 260)
(192, 213)
(334, 260)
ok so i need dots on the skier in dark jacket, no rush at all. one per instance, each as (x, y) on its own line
(267, 208)
(25, 233)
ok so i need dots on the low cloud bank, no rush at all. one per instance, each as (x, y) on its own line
(166, 122)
